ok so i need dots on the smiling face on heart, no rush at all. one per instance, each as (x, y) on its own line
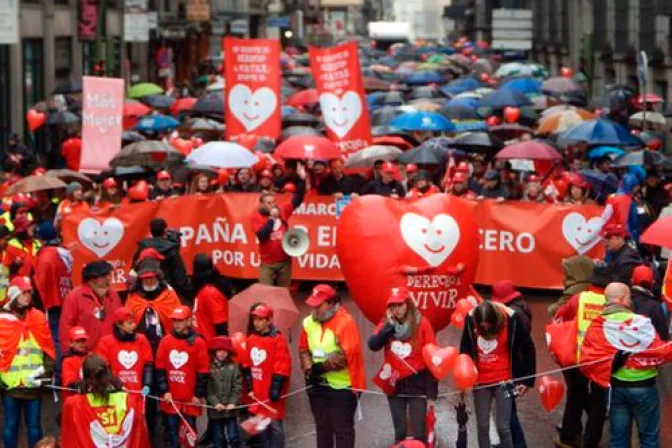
(486, 345)
(401, 349)
(633, 335)
(378, 238)
(252, 109)
(127, 358)
(257, 356)
(178, 358)
(581, 233)
(100, 238)
(341, 114)
(433, 240)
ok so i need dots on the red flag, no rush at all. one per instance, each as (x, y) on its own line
(252, 93)
(338, 79)
(617, 210)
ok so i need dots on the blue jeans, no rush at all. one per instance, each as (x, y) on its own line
(224, 429)
(54, 316)
(640, 403)
(172, 425)
(517, 433)
(32, 413)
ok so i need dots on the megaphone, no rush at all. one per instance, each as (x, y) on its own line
(295, 242)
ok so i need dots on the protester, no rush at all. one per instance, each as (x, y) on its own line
(213, 291)
(200, 184)
(266, 182)
(27, 363)
(244, 182)
(646, 303)
(163, 188)
(167, 243)
(422, 186)
(533, 191)
(90, 305)
(182, 370)
(460, 186)
(333, 364)
(4, 269)
(268, 375)
(621, 259)
(577, 272)
(103, 414)
(654, 193)
(72, 361)
(494, 337)
(385, 184)
(270, 224)
(74, 202)
(22, 248)
(337, 183)
(224, 392)
(578, 191)
(403, 334)
(111, 195)
(493, 188)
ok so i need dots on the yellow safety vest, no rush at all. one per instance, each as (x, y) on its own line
(4, 281)
(322, 345)
(110, 412)
(590, 307)
(8, 220)
(19, 245)
(28, 360)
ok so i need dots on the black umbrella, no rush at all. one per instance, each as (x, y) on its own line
(388, 99)
(62, 117)
(425, 92)
(601, 185)
(459, 112)
(431, 152)
(125, 173)
(131, 137)
(299, 119)
(378, 131)
(482, 142)
(383, 116)
(298, 130)
(68, 87)
(644, 157)
(265, 145)
(212, 103)
(158, 101)
(503, 97)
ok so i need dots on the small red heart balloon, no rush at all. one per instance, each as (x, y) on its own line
(511, 114)
(439, 361)
(551, 392)
(655, 144)
(566, 72)
(35, 119)
(457, 319)
(72, 144)
(247, 140)
(465, 373)
(464, 306)
(183, 145)
(239, 343)
(434, 234)
(492, 120)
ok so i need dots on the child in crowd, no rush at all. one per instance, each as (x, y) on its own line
(73, 359)
(224, 393)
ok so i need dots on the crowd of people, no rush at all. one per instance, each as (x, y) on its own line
(159, 355)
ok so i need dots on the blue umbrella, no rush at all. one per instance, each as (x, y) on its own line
(503, 97)
(470, 126)
(420, 78)
(600, 132)
(423, 121)
(377, 100)
(460, 86)
(523, 85)
(156, 123)
(471, 103)
(600, 151)
(601, 184)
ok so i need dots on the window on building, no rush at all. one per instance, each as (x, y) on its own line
(622, 21)
(62, 2)
(62, 59)
(88, 57)
(5, 92)
(647, 25)
(600, 24)
(33, 79)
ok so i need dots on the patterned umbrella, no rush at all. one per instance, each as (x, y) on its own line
(561, 122)
(559, 84)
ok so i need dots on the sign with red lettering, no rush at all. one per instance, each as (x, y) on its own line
(252, 94)
(338, 79)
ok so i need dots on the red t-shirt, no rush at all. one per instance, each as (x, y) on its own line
(71, 372)
(182, 363)
(402, 356)
(269, 355)
(492, 357)
(210, 308)
(270, 251)
(127, 359)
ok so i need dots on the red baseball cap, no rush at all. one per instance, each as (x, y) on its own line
(389, 167)
(163, 175)
(504, 291)
(398, 296)
(642, 275)
(110, 183)
(320, 294)
(533, 178)
(262, 310)
(148, 274)
(459, 177)
(411, 168)
(77, 334)
(462, 167)
(181, 313)
(610, 230)
(150, 252)
(122, 314)
(267, 173)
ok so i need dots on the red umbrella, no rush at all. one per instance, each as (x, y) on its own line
(285, 312)
(311, 147)
(533, 150)
(392, 140)
(182, 104)
(659, 233)
(650, 98)
(134, 108)
(303, 98)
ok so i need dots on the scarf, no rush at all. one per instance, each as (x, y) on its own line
(402, 330)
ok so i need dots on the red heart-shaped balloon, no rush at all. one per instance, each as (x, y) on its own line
(457, 319)
(566, 72)
(551, 392)
(439, 361)
(35, 119)
(72, 144)
(465, 305)
(239, 343)
(465, 373)
(379, 239)
(183, 145)
(493, 120)
(511, 114)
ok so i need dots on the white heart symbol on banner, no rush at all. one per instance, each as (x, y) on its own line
(580, 233)
(257, 356)
(432, 240)
(178, 358)
(341, 114)
(127, 359)
(386, 373)
(252, 109)
(401, 349)
(100, 238)
(486, 345)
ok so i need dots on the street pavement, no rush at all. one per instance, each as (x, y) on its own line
(374, 429)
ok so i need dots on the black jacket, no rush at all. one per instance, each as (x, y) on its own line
(647, 304)
(379, 188)
(519, 305)
(157, 193)
(172, 266)
(521, 347)
(620, 266)
(500, 191)
(331, 185)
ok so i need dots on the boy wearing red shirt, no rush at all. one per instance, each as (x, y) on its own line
(182, 372)
(267, 376)
(73, 359)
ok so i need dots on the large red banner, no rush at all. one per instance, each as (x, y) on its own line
(523, 242)
(252, 94)
(338, 79)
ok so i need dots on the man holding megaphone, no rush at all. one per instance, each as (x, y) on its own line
(269, 223)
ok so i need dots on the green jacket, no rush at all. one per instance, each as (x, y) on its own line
(225, 387)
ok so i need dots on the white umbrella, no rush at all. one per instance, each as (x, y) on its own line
(222, 155)
(653, 119)
(368, 156)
